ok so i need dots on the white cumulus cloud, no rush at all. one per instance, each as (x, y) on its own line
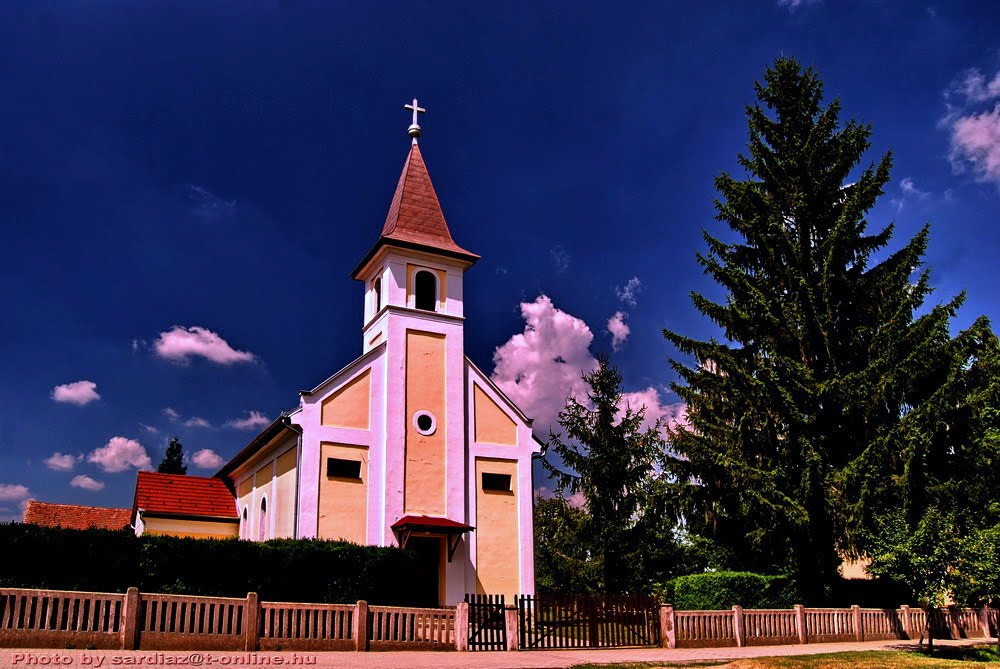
(672, 415)
(619, 329)
(13, 492)
(78, 392)
(61, 462)
(84, 482)
(630, 291)
(119, 454)
(206, 458)
(252, 421)
(198, 422)
(181, 344)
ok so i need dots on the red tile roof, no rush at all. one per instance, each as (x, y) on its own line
(430, 523)
(415, 219)
(75, 517)
(181, 495)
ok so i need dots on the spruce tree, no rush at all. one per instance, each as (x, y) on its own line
(822, 350)
(173, 459)
(608, 457)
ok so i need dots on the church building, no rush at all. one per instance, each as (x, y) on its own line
(408, 445)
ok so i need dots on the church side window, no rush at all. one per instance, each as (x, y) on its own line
(425, 290)
(262, 529)
(377, 289)
(243, 524)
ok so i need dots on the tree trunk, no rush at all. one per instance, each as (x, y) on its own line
(929, 628)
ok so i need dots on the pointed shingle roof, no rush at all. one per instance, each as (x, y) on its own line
(415, 219)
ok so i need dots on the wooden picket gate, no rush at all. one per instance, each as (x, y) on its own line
(587, 621)
(487, 622)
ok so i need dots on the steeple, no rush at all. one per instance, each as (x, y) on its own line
(415, 220)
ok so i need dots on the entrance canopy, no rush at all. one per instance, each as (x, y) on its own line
(408, 526)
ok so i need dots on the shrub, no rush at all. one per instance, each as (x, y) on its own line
(725, 589)
(307, 570)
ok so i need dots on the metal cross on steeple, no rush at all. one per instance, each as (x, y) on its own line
(414, 129)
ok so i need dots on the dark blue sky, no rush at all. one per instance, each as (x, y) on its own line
(225, 165)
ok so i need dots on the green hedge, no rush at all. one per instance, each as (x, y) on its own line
(279, 570)
(725, 589)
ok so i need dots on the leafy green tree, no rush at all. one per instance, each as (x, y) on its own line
(173, 459)
(925, 557)
(827, 345)
(563, 561)
(606, 454)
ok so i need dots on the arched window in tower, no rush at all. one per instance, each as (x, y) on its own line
(262, 529)
(377, 290)
(244, 530)
(425, 290)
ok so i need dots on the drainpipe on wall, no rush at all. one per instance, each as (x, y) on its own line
(298, 469)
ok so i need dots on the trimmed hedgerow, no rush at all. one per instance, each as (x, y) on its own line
(725, 589)
(304, 570)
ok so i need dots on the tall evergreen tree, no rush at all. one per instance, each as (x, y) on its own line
(822, 348)
(173, 459)
(609, 457)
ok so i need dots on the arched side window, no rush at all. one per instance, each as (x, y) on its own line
(425, 290)
(244, 530)
(377, 290)
(262, 529)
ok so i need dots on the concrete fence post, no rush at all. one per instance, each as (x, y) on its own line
(668, 632)
(738, 631)
(859, 634)
(510, 618)
(904, 615)
(462, 626)
(251, 623)
(984, 621)
(130, 619)
(800, 623)
(361, 626)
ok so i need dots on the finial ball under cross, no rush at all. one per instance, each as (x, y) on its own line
(414, 129)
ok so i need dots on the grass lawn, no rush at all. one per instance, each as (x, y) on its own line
(971, 657)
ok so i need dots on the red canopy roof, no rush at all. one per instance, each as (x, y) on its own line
(75, 517)
(430, 524)
(181, 495)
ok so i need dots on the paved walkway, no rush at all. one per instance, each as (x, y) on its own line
(539, 659)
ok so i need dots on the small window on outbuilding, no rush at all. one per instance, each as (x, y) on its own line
(425, 290)
(339, 468)
(496, 482)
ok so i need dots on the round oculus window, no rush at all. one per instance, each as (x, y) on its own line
(424, 422)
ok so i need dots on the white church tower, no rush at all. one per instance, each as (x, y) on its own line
(410, 444)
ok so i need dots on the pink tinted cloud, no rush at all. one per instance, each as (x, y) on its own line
(84, 482)
(78, 392)
(975, 144)
(252, 421)
(673, 415)
(619, 329)
(181, 344)
(60, 462)
(206, 458)
(119, 454)
(198, 422)
(540, 367)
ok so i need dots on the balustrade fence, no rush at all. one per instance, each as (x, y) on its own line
(62, 619)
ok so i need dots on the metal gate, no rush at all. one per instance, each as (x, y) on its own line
(587, 621)
(487, 622)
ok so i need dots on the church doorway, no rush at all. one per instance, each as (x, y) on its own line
(428, 577)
